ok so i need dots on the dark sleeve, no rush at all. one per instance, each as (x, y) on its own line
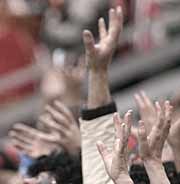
(178, 177)
(139, 175)
(171, 172)
(89, 114)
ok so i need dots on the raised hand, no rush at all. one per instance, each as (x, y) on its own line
(64, 123)
(98, 56)
(32, 141)
(115, 161)
(147, 110)
(150, 147)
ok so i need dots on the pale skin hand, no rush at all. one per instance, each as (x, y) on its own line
(147, 110)
(99, 56)
(150, 148)
(148, 114)
(64, 83)
(116, 161)
(73, 77)
(32, 141)
(174, 142)
(64, 123)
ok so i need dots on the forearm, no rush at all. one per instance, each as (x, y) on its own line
(124, 179)
(98, 89)
(156, 172)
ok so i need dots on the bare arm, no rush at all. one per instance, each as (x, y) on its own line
(98, 89)
(98, 127)
(99, 56)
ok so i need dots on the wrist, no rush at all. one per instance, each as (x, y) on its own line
(156, 171)
(98, 90)
(123, 178)
(99, 76)
(152, 161)
(98, 70)
(153, 164)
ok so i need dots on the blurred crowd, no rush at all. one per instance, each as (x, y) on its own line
(89, 91)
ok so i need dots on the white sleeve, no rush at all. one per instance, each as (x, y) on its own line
(102, 129)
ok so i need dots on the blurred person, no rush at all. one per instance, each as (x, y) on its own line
(19, 35)
(19, 42)
(65, 21)
(47, 139)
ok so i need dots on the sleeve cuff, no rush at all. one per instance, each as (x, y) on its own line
(90, 114)
(178, 177)
(172, 175)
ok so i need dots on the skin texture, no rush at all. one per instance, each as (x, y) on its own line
(150, 147)
(99, 56)
(146, 109)
(32, 141)
(115, 161)
(148, 114)
(63, 133)
(66, 126)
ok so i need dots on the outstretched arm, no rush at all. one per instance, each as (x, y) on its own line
(99, 56)
(96, 121)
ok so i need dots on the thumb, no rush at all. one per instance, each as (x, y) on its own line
(105, 154)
